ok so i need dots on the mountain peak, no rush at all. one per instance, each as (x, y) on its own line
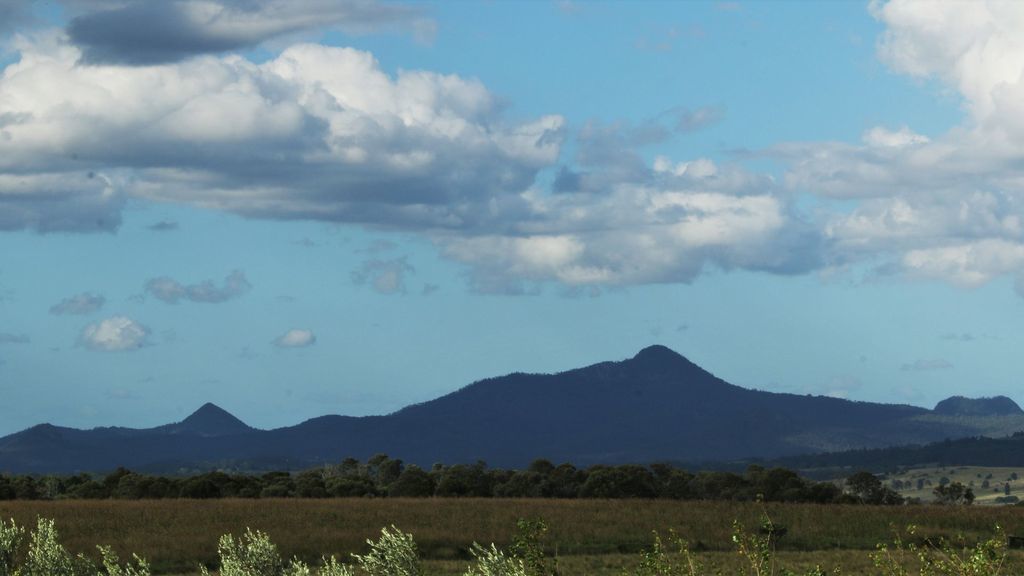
(211, 420)
(962, 406)
(658, 356)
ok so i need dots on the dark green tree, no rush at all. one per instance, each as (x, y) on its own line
(413, 482)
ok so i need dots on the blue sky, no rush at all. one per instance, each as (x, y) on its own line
(309, 207)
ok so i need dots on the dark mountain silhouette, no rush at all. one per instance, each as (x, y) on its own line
(995, 406)
(208, 420)
(656, 406)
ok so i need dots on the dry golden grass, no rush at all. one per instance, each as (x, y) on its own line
(592, 536)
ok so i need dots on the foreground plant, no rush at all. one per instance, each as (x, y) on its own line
(494, 562)
(47, 557)
(985, 558)
(10, 540)
(394, 554)
(527, 546)
(658, 562)
(253, 554)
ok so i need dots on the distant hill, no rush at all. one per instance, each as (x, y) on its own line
(995, 406)
(656, 406)
(1007, 451)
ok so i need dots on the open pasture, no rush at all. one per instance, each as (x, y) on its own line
(991, 485)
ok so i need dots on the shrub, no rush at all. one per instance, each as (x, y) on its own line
(656, 562)
(46, 556)
(943, 558)
(494, 562)
(255, 555)
(111, 564)
(10, 541)
(393, 555)
(251, 555)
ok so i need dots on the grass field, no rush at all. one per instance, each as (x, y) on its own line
(589, 536)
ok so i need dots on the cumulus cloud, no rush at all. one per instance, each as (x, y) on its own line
(295, 338)
(80, 304)
(115, 334)
(322, 133)
(6, 338)
(72, 201)
(316, 133)
(171, 291)
(384, 276)
(926, 365)
(142, 32)
(664, 224)
(945, 207)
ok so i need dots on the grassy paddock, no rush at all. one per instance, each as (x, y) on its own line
(175, 535)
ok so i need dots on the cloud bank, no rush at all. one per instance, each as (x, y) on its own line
(89, 120)
(143, 32)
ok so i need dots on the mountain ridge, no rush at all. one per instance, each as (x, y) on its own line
(654, 406)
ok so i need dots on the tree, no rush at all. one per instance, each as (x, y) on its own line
(868, 489)
(413, 482)
(523, 484)
(310, 484)
(464, 480)
(626, 481)
(954, 493)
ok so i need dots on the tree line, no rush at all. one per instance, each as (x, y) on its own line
(382, 476)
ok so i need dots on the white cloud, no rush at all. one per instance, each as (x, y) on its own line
(975, 47)
(115, 334)
(880, 136)
(969, 265)
(323, 133)
(666, 230)
(946, 208)
(316, 133)
(80, 304)
(295, 338)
